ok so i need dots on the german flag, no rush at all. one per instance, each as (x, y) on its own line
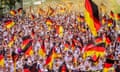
(20, 11)
(1, 60)
(32, 34)
(50, 11)
(14, 56)
(41, 11)
(24, 43)
(104, 20)
(13, 12)
(92, 16)
(42, 50)
(110, 22)
(108, 65)
(61, 30)
(49, 21)
(112, 15)
(88, 50)
(73, 44)
(108, 40)
(99, 51)
(74, 60)
(12, 41)
(80, 18)
(118, 38)
(50, 58)
(29, 51)
(9, 23)
(32, 17)
(118, 16)
(66, 46)
(98, 39)
(63, 68)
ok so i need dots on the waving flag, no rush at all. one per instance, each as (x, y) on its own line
(63, 68)
(50, 11)
(9, 23)
(92, 16)
(61, 30)
(28, 48)
(13, 12)
(1, 60)
(108, 65)
(42, 50)
(49, 22)
(12, 41)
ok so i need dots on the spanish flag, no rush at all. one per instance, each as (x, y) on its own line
(1, 60)
(12, 41)
(13, 12)
(92, 16)
(42, 50)
(9, 23)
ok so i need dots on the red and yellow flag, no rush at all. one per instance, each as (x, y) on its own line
(104, 20)
(13, 12)
(9, 23)
(42, 50)
(50, 11)
(29, 51)
(12, 41)
(1, 60)
(112, 15)
(92, 16)
(80, 18)
(32, 17)
(110, 22)
(61, 30)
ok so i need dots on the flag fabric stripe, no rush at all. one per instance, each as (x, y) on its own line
(1, 60)
(92, 16)
(29, 51)
(9, 23)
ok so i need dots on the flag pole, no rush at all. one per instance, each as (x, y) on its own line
(15, 66)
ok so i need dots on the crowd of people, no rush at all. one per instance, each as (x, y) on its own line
(71, 59)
